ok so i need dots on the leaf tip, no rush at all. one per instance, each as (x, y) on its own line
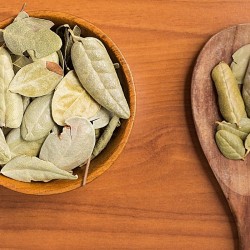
(54, 67)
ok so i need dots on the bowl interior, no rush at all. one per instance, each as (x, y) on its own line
(102, 162)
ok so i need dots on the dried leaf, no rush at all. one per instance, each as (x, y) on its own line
(70, 99)
(18, 146)
(106, 136)
(50, 58)
(32, 34)
(101, 118)
(36, 79)
(232, 128)
(68, 41)
(20, 62)
(61, 59)
(247, 145)
(21, 15)
(37, 120)
(244, 125)
(246, 90)
(26, 102)
(240, 61)
(72, 147)
(230, 100)
(96, 72)
(11, 109)
(230, 145)
(27, 169)
(5, 155)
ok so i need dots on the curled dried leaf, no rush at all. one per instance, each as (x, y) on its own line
(230, 100)
(72, 147)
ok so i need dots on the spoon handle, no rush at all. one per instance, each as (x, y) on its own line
(240, 206)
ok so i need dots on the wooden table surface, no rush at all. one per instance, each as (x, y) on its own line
(160, 193)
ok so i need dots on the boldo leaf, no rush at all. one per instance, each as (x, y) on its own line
(97, 74)
(70, 99)
(36, 79)
(37, 120)
(18, 146)
(72, 147)
(27, 168)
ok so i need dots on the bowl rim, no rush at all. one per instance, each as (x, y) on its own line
(38, 188)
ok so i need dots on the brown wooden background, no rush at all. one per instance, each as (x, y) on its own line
(160, 193)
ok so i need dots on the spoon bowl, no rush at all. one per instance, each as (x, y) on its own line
(114, 148)
(233, 176)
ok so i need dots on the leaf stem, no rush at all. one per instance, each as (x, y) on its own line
(23, 7)
(86, 171)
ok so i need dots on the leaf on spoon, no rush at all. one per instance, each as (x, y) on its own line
(70, 99)
(97, 74)
(230, 100)
(240, 62)
(36, 79)
(28, 168)
(72, 147)
(230, 145)
(247, 145)
(37, 120)
(11, 109)
(18, 146)
(232, 128)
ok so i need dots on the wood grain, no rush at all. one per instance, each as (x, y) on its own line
(160, 193)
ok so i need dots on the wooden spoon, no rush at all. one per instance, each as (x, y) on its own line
(233, 176)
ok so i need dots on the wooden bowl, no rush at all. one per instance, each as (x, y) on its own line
(102, 162)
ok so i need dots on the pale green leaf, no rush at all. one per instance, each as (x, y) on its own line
(28, 168)
(37, 120)
(104, 139)
(32, 34)
(72, 147)
(5, 155)
(11, 109)
(101, 118)
(70, 99)
(36, 79)
(18, 146)
(230, 145)
(97, 74)
(240, 62)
